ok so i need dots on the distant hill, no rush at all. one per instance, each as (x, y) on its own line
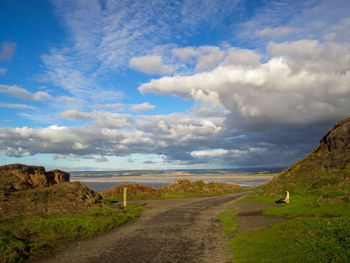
(328, 166)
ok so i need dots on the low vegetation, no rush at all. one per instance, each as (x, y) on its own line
(134, 192)
(318, 229)
(25, 237)
(40, 212)
(182, 188)
(312, 239)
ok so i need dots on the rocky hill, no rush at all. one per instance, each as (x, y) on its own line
(30, 190)
(327, 166)
(16, 177)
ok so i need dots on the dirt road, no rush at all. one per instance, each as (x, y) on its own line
(175, 230)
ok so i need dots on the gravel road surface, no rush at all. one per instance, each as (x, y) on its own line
(180, 230)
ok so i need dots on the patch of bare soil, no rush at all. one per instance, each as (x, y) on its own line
(249, 216)
(174, 230)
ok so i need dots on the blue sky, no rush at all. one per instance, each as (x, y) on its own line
(103, 85)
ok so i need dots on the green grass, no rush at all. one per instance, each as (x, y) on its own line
(297, 240)
(318, 231)
(227, 218)
(26, 237)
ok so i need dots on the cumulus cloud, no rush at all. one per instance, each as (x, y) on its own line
(209, 58)
(185, 54)
(149, 65)
(8, 50)
(213, 153)
(184, 139)
(17, 106)
(101, 119)
(172, 135)
(303, 82)
(24, 94)
(179, 128)
(142, 107)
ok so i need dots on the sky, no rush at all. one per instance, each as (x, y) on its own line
(177, 84)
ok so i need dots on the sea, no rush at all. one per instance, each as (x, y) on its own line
(103, 180)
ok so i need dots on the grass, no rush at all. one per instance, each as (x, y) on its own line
(227, 219)
(318, 231)
(24, 238)
(297, 240)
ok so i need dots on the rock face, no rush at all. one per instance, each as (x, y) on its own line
(334, 148)
(15, 177)
(30, 190)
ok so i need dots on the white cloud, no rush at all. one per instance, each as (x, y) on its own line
(212, 153)
(179, 128)
(303, 82)
(115, 106)
(3, 71)
(274, 31)
(101, 119)
(76, 115)
(241, 57)
(185, 54)
(79, 146)
(8, 50)
(17, 106)
(149, 65)
(297, 49)
(151, 134)
(142, 107)
(24, 94)
(209, 59)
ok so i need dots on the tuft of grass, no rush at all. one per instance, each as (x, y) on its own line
(227, 218)
(24, 238)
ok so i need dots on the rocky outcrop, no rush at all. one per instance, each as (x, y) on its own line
(327, 166)
(30, 190)
(334, 148)
(16, 177)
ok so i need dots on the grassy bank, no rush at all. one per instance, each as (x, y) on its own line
(318, 231)
(25, 237)
(180, 189)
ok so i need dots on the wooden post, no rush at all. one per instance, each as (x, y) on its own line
(124, 194)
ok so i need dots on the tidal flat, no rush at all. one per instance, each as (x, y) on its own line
(99, 182)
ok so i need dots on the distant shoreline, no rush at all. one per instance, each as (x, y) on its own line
(172, 177)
